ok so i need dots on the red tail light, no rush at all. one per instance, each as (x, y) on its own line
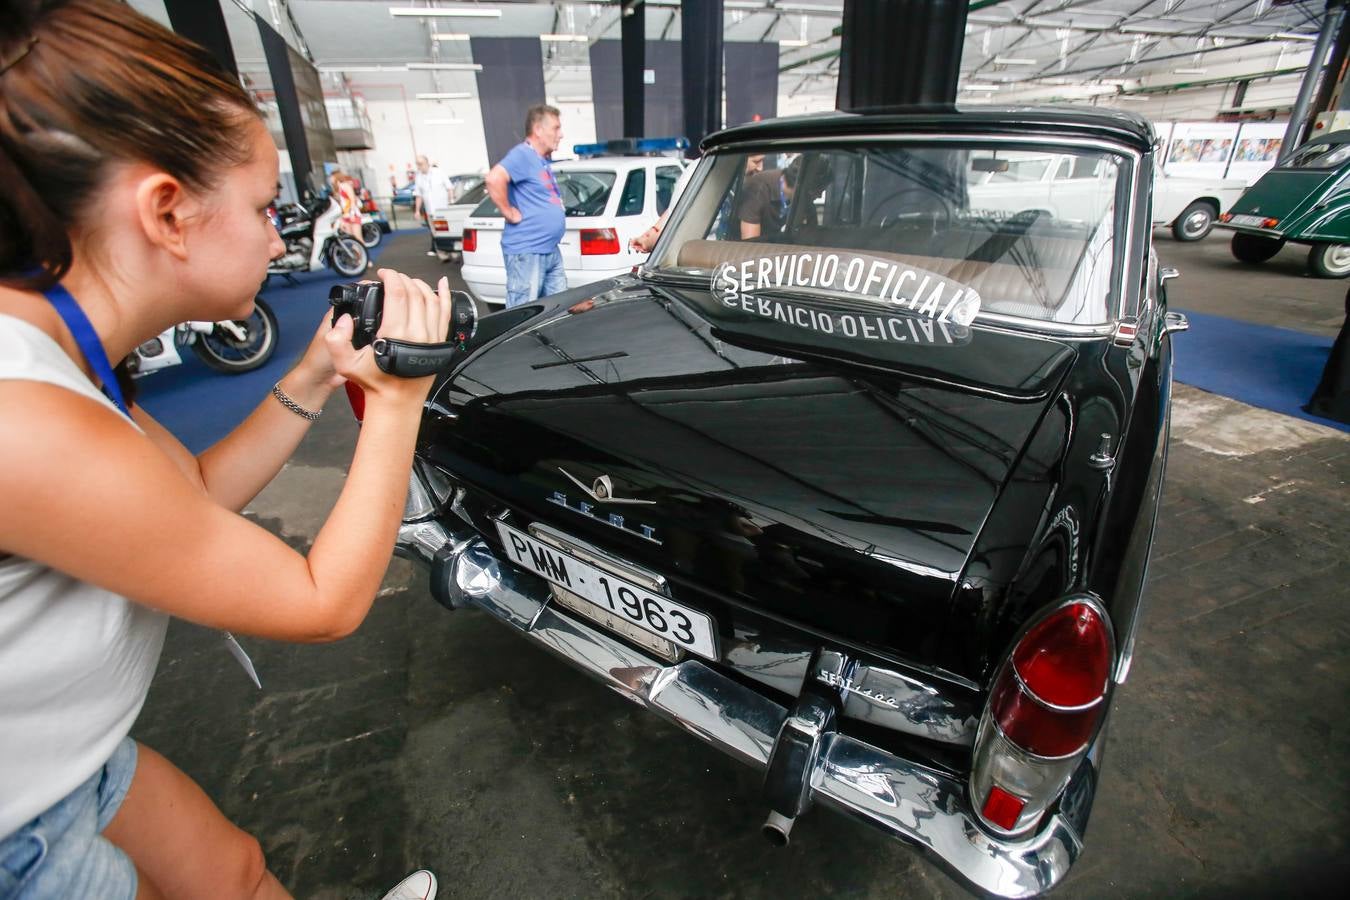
(357, 398)
(1049, 700)
(599, 241)
(440, 225)
(1044, 708)
(470, 241)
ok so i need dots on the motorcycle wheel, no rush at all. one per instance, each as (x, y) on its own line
(223, 352)
(348, 256)
(371, 234)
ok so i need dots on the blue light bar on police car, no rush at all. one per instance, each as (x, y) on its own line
(631, 146)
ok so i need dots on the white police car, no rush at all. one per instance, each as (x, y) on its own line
(608, 201)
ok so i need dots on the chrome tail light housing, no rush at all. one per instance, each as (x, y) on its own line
(1044, 711)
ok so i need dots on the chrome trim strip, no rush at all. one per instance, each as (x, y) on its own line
(917, 805)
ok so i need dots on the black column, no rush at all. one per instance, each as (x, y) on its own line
(633, 32)
(701, 61)
(288, 103)
(510, 82)
(900, 52)
(204, 22)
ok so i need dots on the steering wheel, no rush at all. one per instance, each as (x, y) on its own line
(886, 219)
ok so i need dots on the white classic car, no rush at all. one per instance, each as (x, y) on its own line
(1065, 185)
(608, 201)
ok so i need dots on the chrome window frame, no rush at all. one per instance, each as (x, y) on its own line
(1125, 241)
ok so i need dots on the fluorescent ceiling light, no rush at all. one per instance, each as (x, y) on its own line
(464, 95)
(572, 99)
(442, 121)
(1131, 98)
(561, 38)
(417, 12)
(446, 67)
(339, 68)
(1013, 61)
(804, 7)
(793, 42)
(980, 87)
(450, 36)
(1294, 36)
(1190, 71)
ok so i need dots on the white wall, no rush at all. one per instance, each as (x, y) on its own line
(455, 148)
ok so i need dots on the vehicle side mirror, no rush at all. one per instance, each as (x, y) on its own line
(1167, 273)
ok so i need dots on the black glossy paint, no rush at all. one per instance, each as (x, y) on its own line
(913, 495)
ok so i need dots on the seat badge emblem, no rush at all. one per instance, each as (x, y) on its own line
(602, 490)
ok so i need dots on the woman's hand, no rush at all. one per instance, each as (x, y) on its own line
(316, 365)
(413, 312)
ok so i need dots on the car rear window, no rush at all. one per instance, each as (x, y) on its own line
(584, 193)
(885, 223)
(475, 194)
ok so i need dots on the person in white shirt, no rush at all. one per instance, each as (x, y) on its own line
(136, 186)
(431, 194)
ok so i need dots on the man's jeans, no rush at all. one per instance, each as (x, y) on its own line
(530, 276)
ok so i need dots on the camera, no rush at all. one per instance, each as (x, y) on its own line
(364, 302)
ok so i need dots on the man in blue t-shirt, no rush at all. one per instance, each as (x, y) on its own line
(524, 189)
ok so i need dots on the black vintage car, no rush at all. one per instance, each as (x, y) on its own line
(862, 495)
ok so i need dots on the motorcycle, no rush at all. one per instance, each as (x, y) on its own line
(233, 347)
(314, 241)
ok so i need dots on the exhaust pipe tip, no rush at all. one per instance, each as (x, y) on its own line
(776, 828)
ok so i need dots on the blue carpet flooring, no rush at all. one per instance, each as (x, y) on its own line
(200, 405)
(1273, 368)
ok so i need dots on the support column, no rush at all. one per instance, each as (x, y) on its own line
(701, 64)
(204, 23)
(1298, 118)
(633, 32)
(900, 53)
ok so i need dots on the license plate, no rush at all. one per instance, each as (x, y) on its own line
(1254, 221)
(629, 603)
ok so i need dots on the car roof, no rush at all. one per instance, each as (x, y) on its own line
(1118, 126)
(1333, 137)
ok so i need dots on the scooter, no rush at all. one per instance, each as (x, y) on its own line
(314, 241)
(234, 347)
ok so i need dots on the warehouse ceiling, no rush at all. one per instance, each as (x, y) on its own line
(1028, 49)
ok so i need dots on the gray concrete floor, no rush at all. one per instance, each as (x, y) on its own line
(440, 739)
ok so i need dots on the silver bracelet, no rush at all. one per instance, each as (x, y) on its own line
(292, 405)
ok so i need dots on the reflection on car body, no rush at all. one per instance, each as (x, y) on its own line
(899, 515)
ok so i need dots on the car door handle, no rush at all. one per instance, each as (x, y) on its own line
(1175, 321)
(1167, 273)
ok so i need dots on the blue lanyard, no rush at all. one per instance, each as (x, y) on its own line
(87, 338)
(783, 201)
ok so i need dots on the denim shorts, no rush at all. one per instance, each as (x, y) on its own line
(63, 854)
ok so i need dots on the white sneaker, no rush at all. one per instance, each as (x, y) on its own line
(420, 885)
(431, 253)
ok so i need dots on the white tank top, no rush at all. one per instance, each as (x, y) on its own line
(75, 660)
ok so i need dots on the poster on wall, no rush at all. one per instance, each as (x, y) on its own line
(1258, 144)
(1200, 149)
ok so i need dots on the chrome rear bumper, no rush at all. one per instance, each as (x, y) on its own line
(914, 803)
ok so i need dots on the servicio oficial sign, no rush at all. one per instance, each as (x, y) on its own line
(892, 284)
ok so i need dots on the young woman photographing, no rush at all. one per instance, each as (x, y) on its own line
(136, 179)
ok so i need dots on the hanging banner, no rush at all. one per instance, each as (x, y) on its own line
(752, 81)
(1200, 149)
(662, 96)
(1258, 145)
(510, 82)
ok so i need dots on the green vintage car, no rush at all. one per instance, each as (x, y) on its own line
(1306, 200)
